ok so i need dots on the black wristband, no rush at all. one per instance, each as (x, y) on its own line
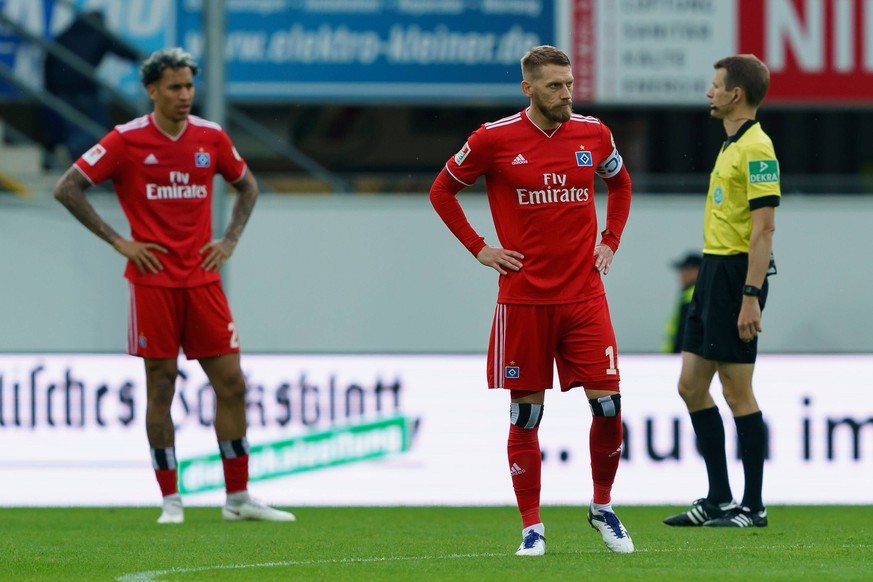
(751, 291)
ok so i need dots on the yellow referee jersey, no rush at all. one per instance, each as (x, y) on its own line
(745, 177)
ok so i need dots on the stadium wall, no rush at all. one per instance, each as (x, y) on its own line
(382, 274)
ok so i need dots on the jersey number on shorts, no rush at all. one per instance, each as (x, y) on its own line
(610, 353)
(234, 335)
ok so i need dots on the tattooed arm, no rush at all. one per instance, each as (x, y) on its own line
(70, 191)
(218, 251)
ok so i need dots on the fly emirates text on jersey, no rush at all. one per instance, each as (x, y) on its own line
(178, 188)
(555, 191)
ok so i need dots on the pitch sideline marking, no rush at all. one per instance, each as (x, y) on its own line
(152, 575)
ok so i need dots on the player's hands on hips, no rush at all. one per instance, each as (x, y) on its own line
(500, 259)
(141, 254)
(749, 322)
(216, 254)
(603, 258)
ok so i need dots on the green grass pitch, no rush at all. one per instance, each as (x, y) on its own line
(426, 543)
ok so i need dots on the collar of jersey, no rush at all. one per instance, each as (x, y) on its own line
(736, 137)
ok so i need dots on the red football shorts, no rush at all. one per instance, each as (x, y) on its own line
(196, 319)
(528, 340)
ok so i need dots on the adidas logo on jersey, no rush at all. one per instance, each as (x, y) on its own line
(519, 159)
(515, 470)
(150, 160)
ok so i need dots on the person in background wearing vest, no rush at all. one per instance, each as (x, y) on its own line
(688, 268)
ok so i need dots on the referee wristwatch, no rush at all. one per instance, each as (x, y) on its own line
(751, 291)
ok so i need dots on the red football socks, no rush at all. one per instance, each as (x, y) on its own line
(605, 447)
(168, 481)
(236, 473)
(525, 465)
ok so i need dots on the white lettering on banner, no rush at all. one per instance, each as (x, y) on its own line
(651, 51)
(675, 6)
(664, 58)
(785, 29)
(29, 14)
(137, 18)
(422, 7)
(443, 46)
(49, 396)
(78, 419)
(654, 87)
(669, 30)
(143, 17)
(250, 47)
(410, 44)
(28, 58)
(531, 8)
(800, 31)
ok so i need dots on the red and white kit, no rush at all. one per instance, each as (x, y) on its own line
(540, 188)
(164, 185)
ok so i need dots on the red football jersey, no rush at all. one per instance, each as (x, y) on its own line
(541, 191)
(164, 184)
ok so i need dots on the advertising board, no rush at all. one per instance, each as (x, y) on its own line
(625, 52)
(413, 430)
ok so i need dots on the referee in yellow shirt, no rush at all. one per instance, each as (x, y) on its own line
(724, 319)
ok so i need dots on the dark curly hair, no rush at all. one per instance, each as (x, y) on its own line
(170, 58)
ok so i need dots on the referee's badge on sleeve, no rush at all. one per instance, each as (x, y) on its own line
(763, 172)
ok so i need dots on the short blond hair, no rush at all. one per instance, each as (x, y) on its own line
(540, 56)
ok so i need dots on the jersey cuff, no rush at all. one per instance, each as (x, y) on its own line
(456, 178)
(609, 239)
(84, 174)
(242, 175)
(764, 202)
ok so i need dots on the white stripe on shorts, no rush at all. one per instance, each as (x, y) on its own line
(499, 345)
(132, 332)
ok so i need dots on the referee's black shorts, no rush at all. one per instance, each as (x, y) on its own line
(711, 328)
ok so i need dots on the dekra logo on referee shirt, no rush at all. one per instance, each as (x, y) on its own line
(763, 172)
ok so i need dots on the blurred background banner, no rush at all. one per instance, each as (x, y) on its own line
(374, 49)
(320, 49)
(319, 423)
(147, 24)
(645, 52)
(625, 52)
(818, 51)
